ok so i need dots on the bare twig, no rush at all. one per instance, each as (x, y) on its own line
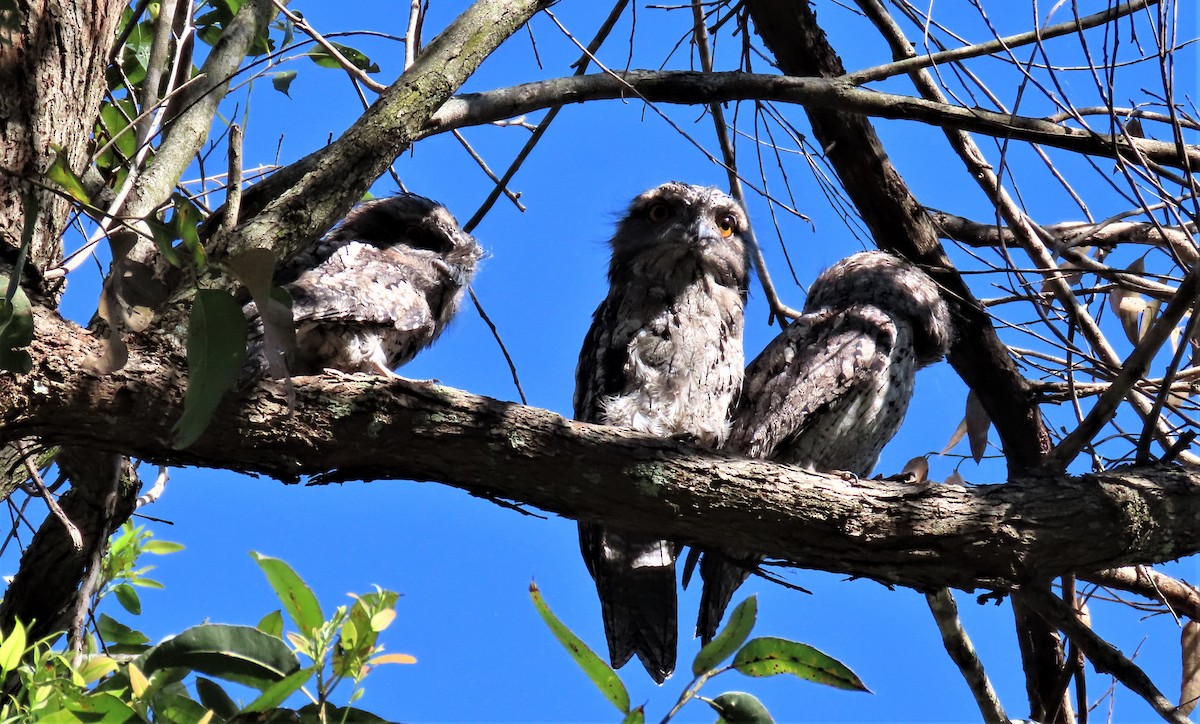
(36, 478)
(1105, 657)
(962, 652)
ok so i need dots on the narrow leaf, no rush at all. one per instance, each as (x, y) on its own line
(738, 707)
(12, 648)
(278, 692)
(978, 423)
(60, 173)
(295, 595)
(601, 674)
(735, 633)
(393, 659)
(161, 547)
(769, 656)
(216, 351)
(212, 696)
(16, 328)
(137, 681)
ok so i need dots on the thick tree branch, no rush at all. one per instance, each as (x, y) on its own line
(369, 428)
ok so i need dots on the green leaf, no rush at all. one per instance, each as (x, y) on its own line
(115, 632)
(96, 667)
(16, 329)
(216, 351)
(282, 81)
(236, 653)
(174, 704)
(741, 621)
(738, 707)
(314, 713)
(637, 716)
(278, 692)
(295, 595)
(60, 173)
(161, 547)
(357, 58)
(12, 648)
(110, 708)
(768, 656)
(128, 598)
(601, 674)
(271, 624)
(214, 697)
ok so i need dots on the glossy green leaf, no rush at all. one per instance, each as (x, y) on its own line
(174, 704)
(735, 633)
(214, 697)
(12, 648)
(16, 329)
(768, 656)
(60, 173)
(115, 632)
(236, 653)
(738, 707)
(601, 674)
(356, 57)
(271, 624)
(128, 598)
(277, 693)
(295, 595)
(282, 81)
(216, 351)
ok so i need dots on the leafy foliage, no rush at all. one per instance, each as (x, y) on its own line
(56, 687)
(765, 656)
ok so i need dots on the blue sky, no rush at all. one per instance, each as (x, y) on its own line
(464, 565)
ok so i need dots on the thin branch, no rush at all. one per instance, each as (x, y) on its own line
(581, 66)
(1103, 655)
(928, 60)
(958, 645)
(51, 503)
(779, 311)
(688, 87)
(1132, 370)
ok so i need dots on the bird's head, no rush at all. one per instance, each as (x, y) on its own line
(674, 222)
(416, 222)
(895, 286)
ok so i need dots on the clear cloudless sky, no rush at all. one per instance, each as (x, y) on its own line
(463, 564)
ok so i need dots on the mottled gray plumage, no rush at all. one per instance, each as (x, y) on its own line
(663, 356)
(378, 289)
(832, 389)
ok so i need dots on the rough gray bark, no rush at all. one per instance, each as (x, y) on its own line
(51, 78)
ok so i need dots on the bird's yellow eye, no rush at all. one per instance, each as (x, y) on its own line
(726, 224)
(658, 212)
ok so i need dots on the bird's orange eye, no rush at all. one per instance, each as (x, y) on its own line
(658, 213)
(726, 224)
